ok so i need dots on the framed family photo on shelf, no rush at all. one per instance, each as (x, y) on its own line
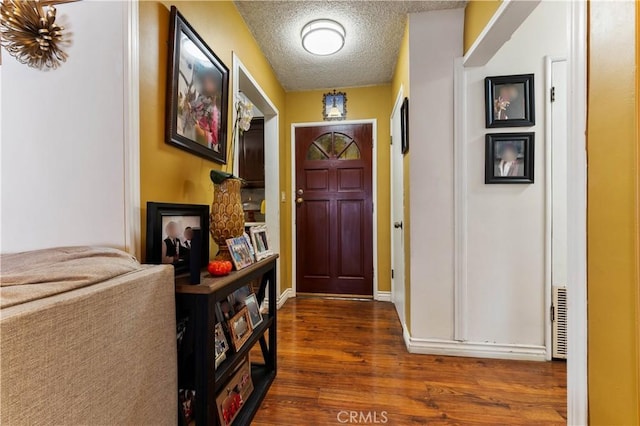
(240, 252)
(509, 157)
(260, 241)
(509, 101)
(197, 94)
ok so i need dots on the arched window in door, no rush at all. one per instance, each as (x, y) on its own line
(333, 146)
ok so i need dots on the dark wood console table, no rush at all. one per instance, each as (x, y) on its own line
(196, 358)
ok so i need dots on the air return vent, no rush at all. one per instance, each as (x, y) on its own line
(559, 320)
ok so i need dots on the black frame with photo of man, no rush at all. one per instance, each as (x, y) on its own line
(509, 101)
(159, 217)
(509, 157)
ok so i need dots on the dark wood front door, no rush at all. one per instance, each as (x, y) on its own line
(334, 209)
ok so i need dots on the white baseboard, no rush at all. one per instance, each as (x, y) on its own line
(384, 296)
(473, 349)
(286, 294)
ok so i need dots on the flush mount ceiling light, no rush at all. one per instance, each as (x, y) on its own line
(323, 37)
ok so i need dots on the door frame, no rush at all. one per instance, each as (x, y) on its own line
(548, 219)
(245, 82)
(374, 195)
(396, 110)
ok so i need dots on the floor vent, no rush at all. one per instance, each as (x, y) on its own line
(559, 320)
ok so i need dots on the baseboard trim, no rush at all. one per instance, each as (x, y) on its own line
(286, 294)
(383, 296)
(473, 349)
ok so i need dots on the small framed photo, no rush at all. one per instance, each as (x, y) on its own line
(238, 298)
(260, 240)
(187, 400)
(240, 328)
(235, 394)
(509, 157)
(251, 301)
(334, 106)
(404, 125)
(221, 345)
(240, 253)
(510, 101)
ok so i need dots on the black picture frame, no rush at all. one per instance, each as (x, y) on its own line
(510, 101)
(521, 148)
(197, 94)
(404, 125)
(158, 215)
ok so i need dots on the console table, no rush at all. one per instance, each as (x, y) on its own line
(196, 358)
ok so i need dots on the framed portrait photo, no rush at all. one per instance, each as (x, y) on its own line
(260, 241)
(334, 106)
(253, 307)
(240, 328)
(509, 101)
(197, 94)
(221, 345)
(509, 157)
(170, 234)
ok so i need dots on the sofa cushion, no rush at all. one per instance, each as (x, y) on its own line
(37, 274)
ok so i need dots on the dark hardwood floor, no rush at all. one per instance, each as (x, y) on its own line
(341, 358)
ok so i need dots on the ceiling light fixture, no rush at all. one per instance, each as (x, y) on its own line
(323, 37)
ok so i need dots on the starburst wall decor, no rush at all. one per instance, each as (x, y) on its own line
(29, 32)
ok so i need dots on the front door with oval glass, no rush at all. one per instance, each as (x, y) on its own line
(334, 210)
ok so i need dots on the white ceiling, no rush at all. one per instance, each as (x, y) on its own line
(374, 34)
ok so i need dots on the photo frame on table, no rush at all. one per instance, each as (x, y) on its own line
(404, 125)
(240, 253)
(169, 229)
(233, 396)
(221, 345)
(334, 106)
(509, 157)
(251, 302)
(240, 328)
(510, 101)
(260, 241)
(197, 94)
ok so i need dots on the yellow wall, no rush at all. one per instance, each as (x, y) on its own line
(362, 103)
(476, 16)
(612, 216)
(168, 174)
(401, 80)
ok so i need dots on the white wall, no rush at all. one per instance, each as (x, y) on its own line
(63, 138)
(435, 40)
(504, 298)
(506, 228)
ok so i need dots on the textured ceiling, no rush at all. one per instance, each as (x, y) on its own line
(374, 34)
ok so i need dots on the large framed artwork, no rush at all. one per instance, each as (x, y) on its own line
(509, 101)
(509, 157)
(404, 125)
(197, 94)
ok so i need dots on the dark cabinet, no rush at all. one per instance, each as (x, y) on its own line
(251, 157)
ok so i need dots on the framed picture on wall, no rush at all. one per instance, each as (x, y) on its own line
(509, 101)
(334, 106)
(197, 94)
(509, 157)
(404, 125)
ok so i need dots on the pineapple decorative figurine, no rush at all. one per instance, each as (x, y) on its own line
(227, 215)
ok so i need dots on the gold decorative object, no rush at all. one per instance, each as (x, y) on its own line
(227, 216)
(29, 33)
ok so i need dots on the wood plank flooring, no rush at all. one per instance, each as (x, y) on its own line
(341, 356)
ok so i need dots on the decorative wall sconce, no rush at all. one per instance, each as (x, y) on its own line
(29, 33)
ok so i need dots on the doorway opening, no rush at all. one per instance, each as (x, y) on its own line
(245, 87)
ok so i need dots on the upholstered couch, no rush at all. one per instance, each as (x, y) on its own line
(87, 336)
